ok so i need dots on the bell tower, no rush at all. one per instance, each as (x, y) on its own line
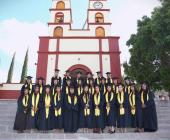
(61, 17)
(98, 18)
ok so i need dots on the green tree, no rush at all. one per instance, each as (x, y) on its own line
(150, 49)
(24, 68)
(11, 69)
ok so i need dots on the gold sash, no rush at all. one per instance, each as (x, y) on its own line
(34, 104)
(67, 90)
(47, 104)
(132, 103)
(25, 101)
(120, 99)
(69, 100)
(57, 98)
(97, 102)
(142, 98)
(86, 101)
(108, 101)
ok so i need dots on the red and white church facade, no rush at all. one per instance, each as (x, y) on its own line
(87, 50)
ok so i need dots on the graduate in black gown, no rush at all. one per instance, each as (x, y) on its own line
(46, 111)
(91, 86)
(127, 106)
(86, 112)
(89, 75)
(148, 109)
(110, 109)
(109, 79)
(133, 104)
(66, 88)
(22, 111)
(55, 83)
(121, 108)
(58, 110)
(40, 82)
(56, 76)
(98, 79)
(103, 85)
(78, 78)
(66, 77)
(71, 111)
(79, 87)
(28, 83)
(98, 116)
(35, 105)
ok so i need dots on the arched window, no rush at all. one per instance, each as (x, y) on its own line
(60, 5)
(100, 32)
(59, 17)
(99, 18)
(58, 32)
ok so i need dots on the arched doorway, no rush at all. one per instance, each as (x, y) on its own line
(79, 67)
(58, 32)
(99, 18)
(60, 5)
(100, 32)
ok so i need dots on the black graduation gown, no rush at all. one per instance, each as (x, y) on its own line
(85, 121)
(103, 88)
(149, 115)
(45, 123)
(21, 115)
(121, 119)
(70, 115)
(65, 80)
(58, 79)
(26, 85)
(109, 81)
(34, 121)
(139, 114)
(128, 108)
(98, 121)
(57, 121)
(110, 119)
(97, 80)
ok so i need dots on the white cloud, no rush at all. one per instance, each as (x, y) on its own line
(16, 36)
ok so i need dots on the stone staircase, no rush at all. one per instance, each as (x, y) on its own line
(8, 111)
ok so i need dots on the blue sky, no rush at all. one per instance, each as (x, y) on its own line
(22, 21)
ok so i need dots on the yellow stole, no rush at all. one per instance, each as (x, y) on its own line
(142, 98)
(41, 89)
(79, 90)
(35, 102)
(120, 98)
(127, 89)
(86, 99)
(47, 105)
(67, 90)
(91, 90)
(25, 101)
(30, 87)
(107, 80)
(108, 101)
(69, 100)
(97, 102)
(57, 98)
(132, 103)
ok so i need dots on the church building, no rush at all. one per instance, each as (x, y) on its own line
(87, 50)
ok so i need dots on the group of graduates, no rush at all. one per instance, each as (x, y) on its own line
(85, 103)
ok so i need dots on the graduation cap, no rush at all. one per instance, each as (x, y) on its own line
(67, 71)
(120, 84)
(109, 85)
(57, 70)
(108, 73)
(79, 72)
(98, 72)
(96, 85)
(37, 85)
(103, 78)
(40, 78)
(47, 86)
(89, 73)
(29, 77)
(127, 78)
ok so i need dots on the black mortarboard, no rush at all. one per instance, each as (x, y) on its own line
(98, 72)
(127, 78)
(36, 85)
(29, 77)
(67, 71)
(109, 85)
(57, 70)
(108, 73)
(47, 86)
